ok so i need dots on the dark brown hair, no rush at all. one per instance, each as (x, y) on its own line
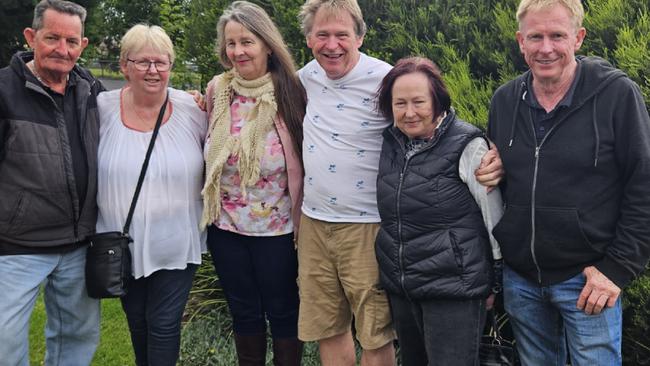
(439, 95)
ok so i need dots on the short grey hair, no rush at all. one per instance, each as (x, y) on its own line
(61, 6)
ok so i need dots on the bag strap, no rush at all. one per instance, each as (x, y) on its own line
(496, 332)
(145, 164)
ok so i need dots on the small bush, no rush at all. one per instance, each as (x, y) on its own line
(207, 338)
(636, 322)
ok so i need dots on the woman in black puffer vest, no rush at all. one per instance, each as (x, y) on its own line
(435, 255)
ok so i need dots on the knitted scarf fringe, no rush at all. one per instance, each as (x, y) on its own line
(249, 146)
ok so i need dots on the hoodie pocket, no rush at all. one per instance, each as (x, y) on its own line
(513, 232)
(560, 240)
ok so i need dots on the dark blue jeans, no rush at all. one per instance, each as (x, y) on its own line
(438, 332)
(258, 276)
(154, 307)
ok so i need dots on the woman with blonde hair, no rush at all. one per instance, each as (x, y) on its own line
(167, 243)
(253, 187)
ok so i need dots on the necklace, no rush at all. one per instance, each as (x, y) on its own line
(32, 68)
(145, 124)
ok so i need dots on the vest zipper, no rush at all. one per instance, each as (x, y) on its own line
(400, 249)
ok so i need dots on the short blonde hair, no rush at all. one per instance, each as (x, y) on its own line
(576, 11)
(333, 7)
(143, 35)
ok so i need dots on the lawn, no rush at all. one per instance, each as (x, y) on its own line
(115, 344)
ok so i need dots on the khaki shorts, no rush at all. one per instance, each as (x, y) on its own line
(338, 278)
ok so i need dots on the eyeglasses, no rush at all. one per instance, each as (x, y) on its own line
(144, 65)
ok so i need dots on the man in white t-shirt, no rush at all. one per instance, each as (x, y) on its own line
(338, 274)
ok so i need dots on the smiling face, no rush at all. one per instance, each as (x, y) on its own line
(247, 52)
(334, 42)
(148, 81)
(58, 44)
(412, 104)
(548, 38)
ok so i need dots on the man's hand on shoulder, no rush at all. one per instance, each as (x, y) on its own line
(598, 292)
(490, 172)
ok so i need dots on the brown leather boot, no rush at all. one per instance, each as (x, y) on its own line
(251, 349)
(287, 352)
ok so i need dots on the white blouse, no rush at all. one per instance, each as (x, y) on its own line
(165, 224)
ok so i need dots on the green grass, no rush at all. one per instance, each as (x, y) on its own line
(106, 73)
(115, 343)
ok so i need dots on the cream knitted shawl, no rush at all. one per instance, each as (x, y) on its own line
(249, 146)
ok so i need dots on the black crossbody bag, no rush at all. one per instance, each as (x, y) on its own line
(108, 258)
(494, 350)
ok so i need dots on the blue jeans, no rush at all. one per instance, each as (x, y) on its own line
(545, 319)
(154, 308)
(258, 276)
(72, 328)
(438, 331)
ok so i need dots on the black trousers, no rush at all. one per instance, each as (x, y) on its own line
(154, 308)
(438, 332)
(258, 276)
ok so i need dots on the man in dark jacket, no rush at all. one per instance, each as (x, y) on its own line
(574, 137)
(48, 158)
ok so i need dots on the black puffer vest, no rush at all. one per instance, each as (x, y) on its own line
(432, 242)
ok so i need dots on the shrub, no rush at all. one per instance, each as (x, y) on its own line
(636, 322)
(207, 338)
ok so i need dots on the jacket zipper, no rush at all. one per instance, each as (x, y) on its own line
(70, 188)
(532, 216)
(82, 132)
(534, 189)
